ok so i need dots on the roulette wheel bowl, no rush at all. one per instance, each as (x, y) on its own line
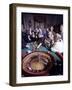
(37, 64)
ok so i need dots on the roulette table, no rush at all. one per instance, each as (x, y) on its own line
(43, 62)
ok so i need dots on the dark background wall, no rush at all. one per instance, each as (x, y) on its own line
(44, 20)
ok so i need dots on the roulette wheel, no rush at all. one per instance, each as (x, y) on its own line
(37, 64)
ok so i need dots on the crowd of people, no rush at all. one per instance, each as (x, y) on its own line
(48, 36)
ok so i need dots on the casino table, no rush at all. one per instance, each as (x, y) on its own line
(57, 68)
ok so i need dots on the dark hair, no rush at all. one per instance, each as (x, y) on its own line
(57, 28)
